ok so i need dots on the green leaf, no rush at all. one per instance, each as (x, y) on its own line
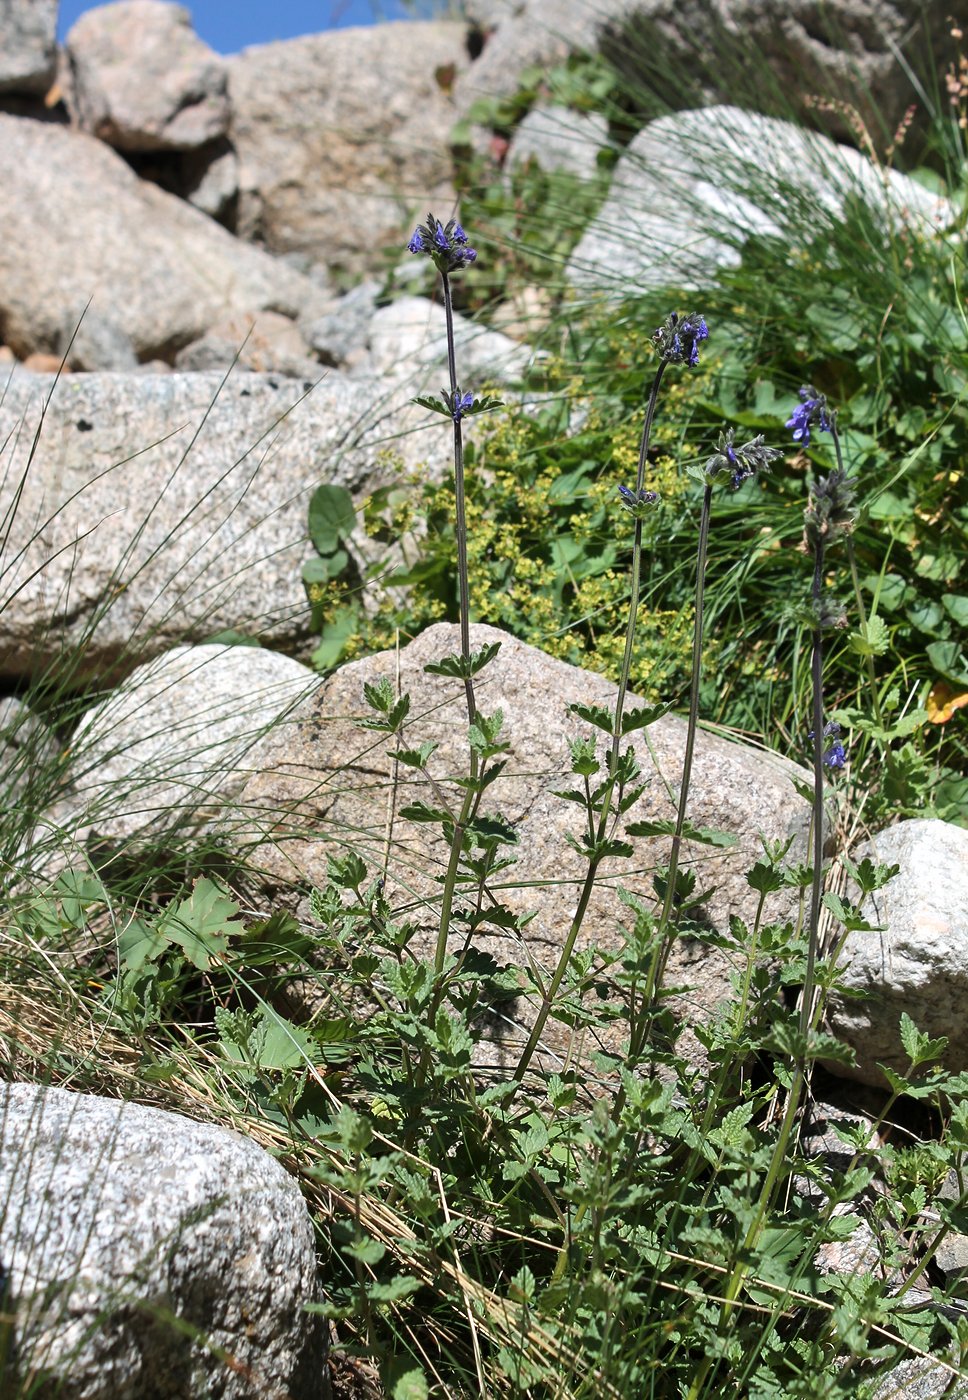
(272, 1043)
(334, 639)
(434, 404)
(404, 1380)
(464, 667)
(346, 871)
(202, 924)
(948, 658)
(332, 517)
(643, 716)
(321, 568)
(596, 715)
(365, 1251)
(420, 812)
(920, 1048)
(956, 605)
(705, 835)
(872, 639)
(393, 1290)
(139, 943)
(414, 758)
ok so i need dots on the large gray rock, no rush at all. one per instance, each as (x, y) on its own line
(558, 139)
(339, 334)
(693, 186)
(267, 342)
(28, 45)
(534, 34)
(142, 80)
(95, 342)
(409, 338)
(843, 63)
(918, 963)
(79, 226)
(169, 747)
(323, 783)
(161, 509)
(27, 749)
(149, 1257)
(343, 137)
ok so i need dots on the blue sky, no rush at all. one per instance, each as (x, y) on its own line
(229, 25)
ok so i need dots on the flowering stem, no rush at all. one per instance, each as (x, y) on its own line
(547, 1000)
(816, 889)
(657, 969)
(450, 878)
(858, 596)
(463, 571)
(623, 683)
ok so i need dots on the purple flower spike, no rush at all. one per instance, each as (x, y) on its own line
(677, 341)
(835, 757)
(811, 412)
(444, 244)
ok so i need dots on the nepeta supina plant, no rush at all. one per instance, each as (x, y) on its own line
(677, 342)
(448, 249)
(829, 517)
(732, 464)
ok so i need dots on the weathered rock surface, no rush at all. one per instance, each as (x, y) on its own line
(27, 746)
(536, 34)
(343, 137)
(781, 58)
(267, 343)
(323, 783)
(28, 45)
(919, 962)
(558, 139)
(79, 226)
(118, 1218)
(409, 338)
(339, 334)
(692, 187)
(163, 509)
(142, 80)
(95, 342)
(169, 747)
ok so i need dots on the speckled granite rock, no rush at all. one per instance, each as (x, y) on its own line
(918, 962)
(118, 1218)
(323, 783)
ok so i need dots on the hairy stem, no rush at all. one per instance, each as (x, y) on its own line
(547, 1001)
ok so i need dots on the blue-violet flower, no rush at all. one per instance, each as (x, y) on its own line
(637, 503)
(444, 244)
(677, 340)
(812, 412)
(461, 403)
(740, 462)
(835, 756)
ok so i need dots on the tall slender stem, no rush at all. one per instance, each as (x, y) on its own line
(623, 683)
(547, 1001)
(665, 945)
(463, 582)
(858, 596)
(816, 888)
(463, 571)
